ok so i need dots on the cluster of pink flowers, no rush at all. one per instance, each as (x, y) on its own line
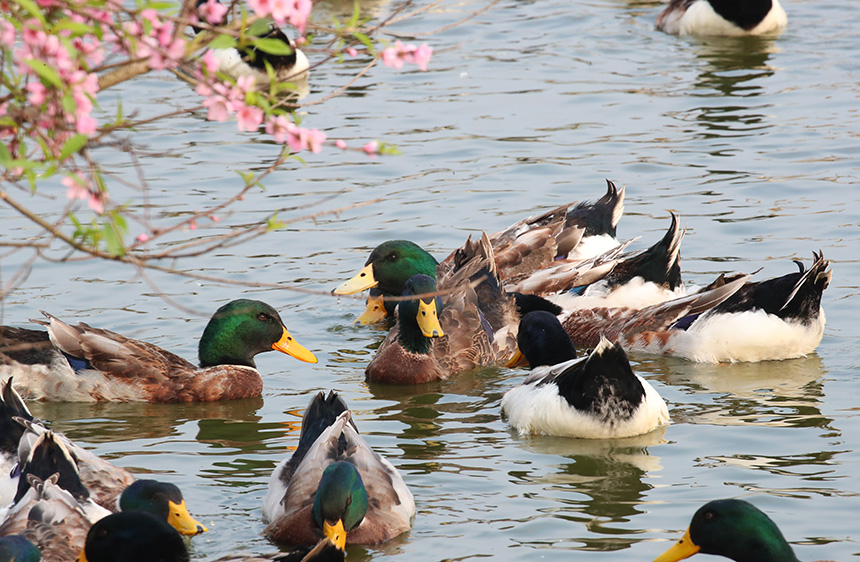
(153, 39)
(224, 99)
(296, 12)
(54, 70)
(78, 187)
(398, 54)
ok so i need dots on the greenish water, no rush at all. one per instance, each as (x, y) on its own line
(754, 143)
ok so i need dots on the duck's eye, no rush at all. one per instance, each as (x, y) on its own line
(392, 257)
(348, 501)
(709, 515)
(262, 317)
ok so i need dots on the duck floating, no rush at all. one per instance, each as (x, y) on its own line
(84, 364)
(593, 397)
(335, 486)
(734, 529)
(722, 17)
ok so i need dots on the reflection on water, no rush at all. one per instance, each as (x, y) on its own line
(786, 393)
(733, 66)
(598, 483)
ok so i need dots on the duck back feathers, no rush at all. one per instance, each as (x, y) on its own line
(722, 17)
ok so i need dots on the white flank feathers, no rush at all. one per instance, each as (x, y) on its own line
(701, 19)
(746, 336)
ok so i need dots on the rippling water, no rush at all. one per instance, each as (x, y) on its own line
(531, 104)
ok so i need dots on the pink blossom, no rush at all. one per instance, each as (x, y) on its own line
(37, 93)
(245, 84)
(214, 218)
(141, 238)
(371, 148)
(279, 127)
(7, 34)
(86, 125)
(212, 11)
(78, 188)
(249, 118)
(192, 225)
(352, 52)
(315, 138)
(392, 57)
(422, 55)
(340, 143)
(210, 62)
(97, 201)
(219, 108)
(398, 54)
(294, 11)
(261, 7)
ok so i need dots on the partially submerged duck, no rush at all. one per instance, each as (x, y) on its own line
(593, 397)
(722, 17)
(335, 486)
(779, 318)
(87, 364)
(289, 66)
(572, 232)
(735, 529)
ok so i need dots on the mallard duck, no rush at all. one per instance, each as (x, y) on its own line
(21, 431)
(91, 364)
(570, 232)
(141, 537)
(335, 485)
(55, 511)
(16, 548)
(51, 518)
(779, 318)
(162, 499)
(253, 61)
(463, 328)
(735, 529)
(594, 397)
(722, 17)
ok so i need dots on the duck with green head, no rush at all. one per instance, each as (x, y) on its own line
(523, 253)
(87, 364)
(164, 500)
(142, 537)
(735, 529)
(335, 486)
(436, 337)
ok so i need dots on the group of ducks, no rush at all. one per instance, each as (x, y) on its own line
(530, 294)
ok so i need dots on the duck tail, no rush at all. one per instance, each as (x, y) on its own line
(805, 297)
(600, 217)
(321, 413)
(50, 456)
(659, 264)
(12, 409)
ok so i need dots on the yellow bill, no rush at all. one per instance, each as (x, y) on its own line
(684, 548)
(291, 347)
(363, 280)
(517, 359)
(335, 533)
(82, 557)
(181, 520)
(428, 319)
(373, 312)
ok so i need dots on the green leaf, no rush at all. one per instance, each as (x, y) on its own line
(223, 42)
(273, 46)
(273, 223)
(364, 39)
(259, 27)
(46, 73)
(5, 155)
(73, 146)
(77, 28)
(112, 231)
(31, 7)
